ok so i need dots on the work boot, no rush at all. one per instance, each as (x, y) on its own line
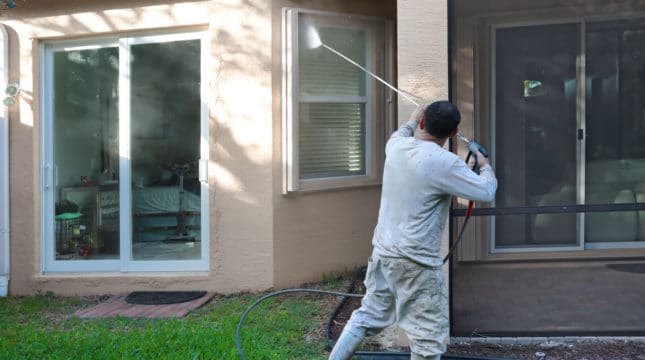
(430, 357)
(347, 343)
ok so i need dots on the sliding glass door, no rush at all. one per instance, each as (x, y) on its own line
(569, 119)
(535, 129)
(124, 136)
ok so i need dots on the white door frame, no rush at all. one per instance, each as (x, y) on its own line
(4, 168)
(124, 263)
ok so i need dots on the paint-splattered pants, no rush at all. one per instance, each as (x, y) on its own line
(413, 295)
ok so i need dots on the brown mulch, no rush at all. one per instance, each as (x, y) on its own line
(584, 350)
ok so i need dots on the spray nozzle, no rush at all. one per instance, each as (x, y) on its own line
(473, 146)
(461, 137)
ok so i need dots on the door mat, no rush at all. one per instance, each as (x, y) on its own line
(162, 297)
(117, 306)
(638, 268)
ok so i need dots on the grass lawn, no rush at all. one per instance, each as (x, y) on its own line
(283, 327)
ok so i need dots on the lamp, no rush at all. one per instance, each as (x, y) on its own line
(12, 91)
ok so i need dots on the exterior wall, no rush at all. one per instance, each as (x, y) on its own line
(319, 233)
(536, 293)
(423, 58)
(240, 171)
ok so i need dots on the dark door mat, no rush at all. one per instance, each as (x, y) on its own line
(638, 268)
(162, 297)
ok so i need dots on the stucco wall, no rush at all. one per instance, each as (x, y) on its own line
(423, 58)
(240, 171)
(324, 232)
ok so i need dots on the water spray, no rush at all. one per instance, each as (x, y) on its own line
(314, 42)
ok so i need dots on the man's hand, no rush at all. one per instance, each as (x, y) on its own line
(481, 159)
(417, 114)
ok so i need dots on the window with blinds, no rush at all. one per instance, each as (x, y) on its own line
(333, 112)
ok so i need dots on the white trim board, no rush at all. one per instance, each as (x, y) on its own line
(4, 169)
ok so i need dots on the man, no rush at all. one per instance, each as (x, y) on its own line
(404, 280)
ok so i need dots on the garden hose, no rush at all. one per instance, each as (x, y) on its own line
(370, 354)
(238, 341)
(473, 147)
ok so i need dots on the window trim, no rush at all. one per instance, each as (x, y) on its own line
(124, 263)
(377, 115)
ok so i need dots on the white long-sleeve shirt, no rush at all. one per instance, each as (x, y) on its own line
(419, 180)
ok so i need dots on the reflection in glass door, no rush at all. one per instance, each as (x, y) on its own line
(569, 123)
(165, 137)
(615, 129)
(125, 143)
(85, 125)
(535, 131)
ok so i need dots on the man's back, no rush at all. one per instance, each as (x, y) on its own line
(419, 180)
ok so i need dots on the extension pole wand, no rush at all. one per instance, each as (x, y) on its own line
(369, 72)
(314, 41)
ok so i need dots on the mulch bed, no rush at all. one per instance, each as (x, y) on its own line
(587, 350)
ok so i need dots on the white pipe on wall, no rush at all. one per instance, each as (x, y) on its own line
(4, 168)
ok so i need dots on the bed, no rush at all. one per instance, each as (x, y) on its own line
(157, 215)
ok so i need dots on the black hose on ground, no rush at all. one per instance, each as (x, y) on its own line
(365, 355)
(276, 293)
(358, 273)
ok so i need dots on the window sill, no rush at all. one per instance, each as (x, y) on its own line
(314, 186)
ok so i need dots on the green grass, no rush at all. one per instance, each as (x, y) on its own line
(284, 327)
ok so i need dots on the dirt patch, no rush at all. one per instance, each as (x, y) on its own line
(596, 350)
(580, 350)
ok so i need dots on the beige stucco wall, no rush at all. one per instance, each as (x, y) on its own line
(423, 58)
(240, 171)
(327, 232)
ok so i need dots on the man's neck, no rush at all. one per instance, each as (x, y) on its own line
(425, 136)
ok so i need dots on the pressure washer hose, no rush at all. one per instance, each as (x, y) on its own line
(238, 341)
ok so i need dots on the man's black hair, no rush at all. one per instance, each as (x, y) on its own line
(441, 118)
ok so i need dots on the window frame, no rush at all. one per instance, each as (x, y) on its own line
(124, 263)
(378, 102)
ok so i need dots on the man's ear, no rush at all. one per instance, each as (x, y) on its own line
(422, 123)
(454, 133)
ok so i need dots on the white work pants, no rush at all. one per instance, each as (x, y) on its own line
(413, 295)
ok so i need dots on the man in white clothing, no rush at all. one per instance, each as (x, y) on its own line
(404, 281)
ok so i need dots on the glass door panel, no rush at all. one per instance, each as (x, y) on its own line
(535, 130)
(615, 123)
(165, 117)
(85, 143)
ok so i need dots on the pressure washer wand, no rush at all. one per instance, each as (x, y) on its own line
(400, 92)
